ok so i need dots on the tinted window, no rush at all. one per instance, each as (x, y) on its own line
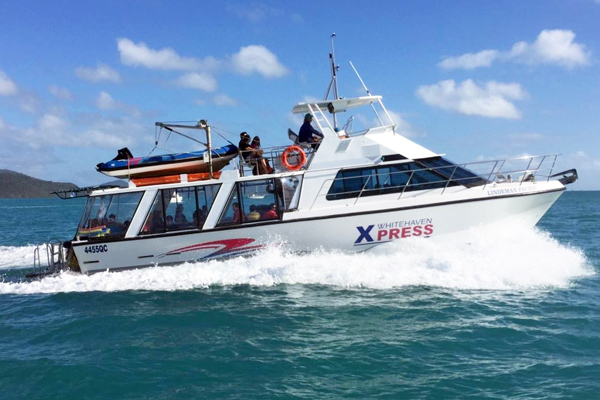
(179, 209)
(108, 216)
(452, 171)
(423, 174)
(254, 201)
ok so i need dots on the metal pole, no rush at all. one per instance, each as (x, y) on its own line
(208, 144)
(334, 68)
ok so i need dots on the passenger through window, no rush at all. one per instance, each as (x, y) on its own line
(179, 209)
(108, 215)
(256, 201)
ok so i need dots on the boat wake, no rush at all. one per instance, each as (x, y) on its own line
(527, 260)
(16, 256)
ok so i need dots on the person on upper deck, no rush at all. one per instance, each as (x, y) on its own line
(262, 163)
(244, 145)
(308, 134)
(252, 153)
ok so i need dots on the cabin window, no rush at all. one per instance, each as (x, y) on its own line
(452, 171)
(431, 173)
(179, 209)
(108, 216)
(254, 201)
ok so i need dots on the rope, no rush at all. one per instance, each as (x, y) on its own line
(216, 130)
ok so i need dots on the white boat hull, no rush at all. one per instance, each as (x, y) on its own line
(452, 217)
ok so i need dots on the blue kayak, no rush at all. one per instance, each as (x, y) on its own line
(126, 166)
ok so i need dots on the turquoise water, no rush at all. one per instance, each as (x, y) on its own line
(516, 315)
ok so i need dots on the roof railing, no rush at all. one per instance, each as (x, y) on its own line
(535, 168)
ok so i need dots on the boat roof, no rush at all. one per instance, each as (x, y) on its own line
(338, 105)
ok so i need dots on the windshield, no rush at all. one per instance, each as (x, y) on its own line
(108, 215)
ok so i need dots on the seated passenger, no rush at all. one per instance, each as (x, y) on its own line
(253, 215)
(262, 164)
(180, 218)
(154, 223)
(170, 223)
(112, 220)
(271, 213)
(308, 134)
(244, 145)
(253, 155)
(238, 215)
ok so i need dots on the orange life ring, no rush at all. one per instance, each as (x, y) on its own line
(290, 150)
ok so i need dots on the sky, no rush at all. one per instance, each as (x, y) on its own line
(474, 80)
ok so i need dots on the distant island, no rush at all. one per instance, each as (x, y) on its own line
(16, 186)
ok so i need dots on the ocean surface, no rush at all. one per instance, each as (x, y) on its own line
(513, 315)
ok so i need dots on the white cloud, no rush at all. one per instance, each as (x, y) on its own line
(530, 137)
(7, 86)
(254, 12)
(1, 124)
(468, 98)
(195, 80)
(584, 161)
(552, 47)
(224, 100)
(102, 73)
(588, 168)
(52, 130)
(52, 123)
(556, 47)
(471, 60)
(105, 101)
(140, 55)
(519, 140)
(28, 103)
(257, 58)
(110, 132)
(403, 127)
(60, 93)
(98, 137)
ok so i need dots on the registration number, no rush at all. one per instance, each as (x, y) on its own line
(99, 248)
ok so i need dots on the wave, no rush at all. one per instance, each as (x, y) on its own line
(527, 260)
(16, 256)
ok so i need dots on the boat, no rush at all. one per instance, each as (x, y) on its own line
(359, 189)
(125, 166)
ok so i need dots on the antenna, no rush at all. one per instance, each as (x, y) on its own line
(369, 93)
(333, 83)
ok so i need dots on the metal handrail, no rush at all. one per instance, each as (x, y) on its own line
(271, 154)
(497, 168)
(55, 258)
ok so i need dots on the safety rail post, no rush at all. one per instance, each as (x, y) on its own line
(552, 168)
(526, 170)
(407, 183)
(449, 179)
(490, 175)
(319, 193)
(37, 262)
(362, 190)
(540, 164)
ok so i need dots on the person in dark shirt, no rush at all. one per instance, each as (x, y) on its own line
(308, 134)
(244, 145)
